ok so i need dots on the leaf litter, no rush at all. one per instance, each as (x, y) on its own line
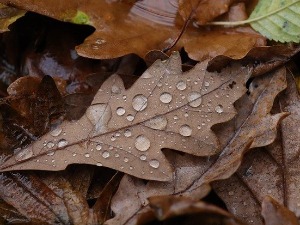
(86, 191)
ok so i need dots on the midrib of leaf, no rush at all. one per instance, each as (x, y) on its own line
(236, 23)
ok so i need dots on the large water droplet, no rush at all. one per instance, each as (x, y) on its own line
(181, 85)
(185, 130)
(57, 131)
(219, 109)
(157, 123)
(105, 154)
(120, 111)
(127, 133)
(24, 154)
(142, 143)
(139, 102)
(165, 97)
(194, 99)
(154, 163)
(130, 117)
(62, 142)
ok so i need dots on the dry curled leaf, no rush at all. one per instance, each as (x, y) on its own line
(192, 175)
(126, 129)
(124, 28)
(268, 171)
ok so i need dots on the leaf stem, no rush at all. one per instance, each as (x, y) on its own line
(236, 23)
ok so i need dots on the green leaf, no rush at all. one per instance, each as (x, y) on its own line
(278, 20)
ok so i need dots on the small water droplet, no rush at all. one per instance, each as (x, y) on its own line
(98, 164)
(24, 154)
(57, 131)
(230, 193)
(120, 111)
(115, 89)
(142, 143)
(206, 84)
(219, 109)
(98, 147)
(117, 155)
(87, 155)
(185, 130)
(154, 163)
(51, 153)
(139, 102)
(143, 157)
(127, 133)
(181, 85)
(194, 99)
(130, 117)
(126, 159)
(157, 123)
(74, 154)
(62, 142)
(165, 97)
(100, 41)
(50, 144)
(105, 154)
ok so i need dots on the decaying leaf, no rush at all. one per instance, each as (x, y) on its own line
(8, 15)
(276, 214)
(269, 171)
(123, 28)
(253, 126)
(171, 210)
(126, 129)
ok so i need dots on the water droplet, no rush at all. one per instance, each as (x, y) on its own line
(206, 84)
(157, 123)
(51, 153)
(98, 147)
(62, 142)
(98, 164)
(230, 193)
(100, 41)
(154, 163)
(185, 130)
(50, 144)
(130, 117)
(105, 154)
(120, 111)
(143, 157)
(117, 155)
(115, 89)
(194, 99)
(113, 138)
(24, 154)
(57, 131)
(181, 85)
(87, 155)
(95, 46)
(139, 102)
(219, 109)
(127, 133)
(126, 159)
(142, 143)
(165, 97)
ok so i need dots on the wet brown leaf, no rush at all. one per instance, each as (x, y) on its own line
(122, 29)
(192, 175)
(269, 171)
(122, 130)
(183, 211)
(276, 214)
(8, 15)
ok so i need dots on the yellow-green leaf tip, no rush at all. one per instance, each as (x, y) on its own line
(81, 18)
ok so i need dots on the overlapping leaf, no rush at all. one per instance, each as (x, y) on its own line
(124, 28)
(126, 129)
(255, 126)
(253, 182)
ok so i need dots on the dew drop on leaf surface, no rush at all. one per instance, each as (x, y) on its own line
(120, 111)
(139, 102)
(56, 132)
(154, 163)
(219, 109)
(105, 154)
(185, 130)
(194, 99)
(142, 143)
(61, 143)
(24, 154)
(165, 97)
(181, 85)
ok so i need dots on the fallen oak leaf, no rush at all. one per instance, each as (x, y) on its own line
(120, 130)
(192, 175)
(8, 15)
(253, 182)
